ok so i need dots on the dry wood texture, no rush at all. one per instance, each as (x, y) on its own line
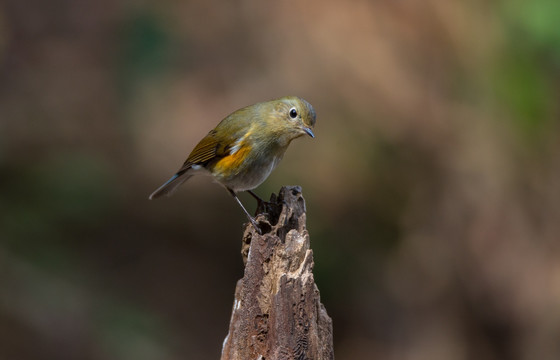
(277, 312)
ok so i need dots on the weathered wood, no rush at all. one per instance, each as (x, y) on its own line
(277, 313)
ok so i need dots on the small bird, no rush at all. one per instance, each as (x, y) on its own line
(244, 148)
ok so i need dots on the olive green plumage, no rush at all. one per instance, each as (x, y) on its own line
(244, 148)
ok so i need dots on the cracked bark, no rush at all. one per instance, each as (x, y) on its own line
(277, 312)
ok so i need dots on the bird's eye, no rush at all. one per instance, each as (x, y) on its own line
(293, 113)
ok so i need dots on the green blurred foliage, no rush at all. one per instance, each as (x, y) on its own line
(537, 20)
(146, 51)
(129, 333)
(52, 200)
(527, 71)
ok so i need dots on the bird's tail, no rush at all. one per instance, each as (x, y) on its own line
(171, 185)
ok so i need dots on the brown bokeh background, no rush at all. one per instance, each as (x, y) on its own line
(432, 186)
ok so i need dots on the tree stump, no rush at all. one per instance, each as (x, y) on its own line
(277, 313)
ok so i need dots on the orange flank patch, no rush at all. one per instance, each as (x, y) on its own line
(230, 164)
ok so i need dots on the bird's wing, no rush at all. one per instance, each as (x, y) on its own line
(219, 141)
(211, 147)
(205, 150)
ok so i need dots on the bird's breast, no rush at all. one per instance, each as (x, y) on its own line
(247, 167)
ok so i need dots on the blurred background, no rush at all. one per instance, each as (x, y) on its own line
(432, 185)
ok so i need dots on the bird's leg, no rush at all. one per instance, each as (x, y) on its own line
(271, 208)
(263, 207)
(259, 200)
(251, 219)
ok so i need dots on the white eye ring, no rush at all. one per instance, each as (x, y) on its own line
(293, 113)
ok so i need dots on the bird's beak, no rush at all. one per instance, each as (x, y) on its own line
(308, 131)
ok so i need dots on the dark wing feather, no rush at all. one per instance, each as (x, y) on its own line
(204, 151)
(213, 146)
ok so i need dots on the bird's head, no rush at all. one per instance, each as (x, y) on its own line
(290, 117)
